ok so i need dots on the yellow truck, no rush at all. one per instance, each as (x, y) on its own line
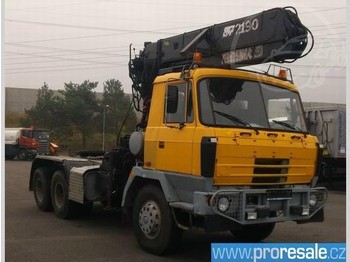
(218, 147)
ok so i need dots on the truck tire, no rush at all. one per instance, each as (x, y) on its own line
(152, 221)
(42, 189)
(63, 207)
(253, 233)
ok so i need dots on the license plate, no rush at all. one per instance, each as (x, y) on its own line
(278, 194)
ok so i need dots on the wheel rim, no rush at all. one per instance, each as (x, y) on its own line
(59, 196)
(150, 219)
(39, 191)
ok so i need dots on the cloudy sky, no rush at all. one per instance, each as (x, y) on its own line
(75, 40)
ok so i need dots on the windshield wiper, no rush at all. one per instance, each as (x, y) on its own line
(290, 126)
(236, 120)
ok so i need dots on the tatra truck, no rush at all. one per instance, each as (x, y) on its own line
(219, 146)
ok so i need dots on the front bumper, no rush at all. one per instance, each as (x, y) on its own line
(253, 206)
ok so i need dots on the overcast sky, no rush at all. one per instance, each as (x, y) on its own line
(75, 40)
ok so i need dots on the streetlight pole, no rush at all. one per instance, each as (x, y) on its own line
(104, 127)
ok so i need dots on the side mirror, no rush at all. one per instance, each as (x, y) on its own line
(172, 98)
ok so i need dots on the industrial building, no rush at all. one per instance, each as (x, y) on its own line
(19, 99)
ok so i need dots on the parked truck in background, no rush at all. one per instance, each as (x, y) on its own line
(26, 143)
(213, 149)
(328, 122)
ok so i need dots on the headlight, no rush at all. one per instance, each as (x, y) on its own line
(313, 200)
(223, 204)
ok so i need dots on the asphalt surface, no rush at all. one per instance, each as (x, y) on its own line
(33, 235)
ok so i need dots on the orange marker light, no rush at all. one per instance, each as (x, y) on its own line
(197, 57)
(282, 74)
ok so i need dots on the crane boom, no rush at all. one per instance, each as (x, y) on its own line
(275, 35)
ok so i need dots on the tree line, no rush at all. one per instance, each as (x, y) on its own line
(78, 119)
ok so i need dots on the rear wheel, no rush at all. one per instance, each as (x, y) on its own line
(42, 187)
(153, 223)
(63, 207)
(253, 233)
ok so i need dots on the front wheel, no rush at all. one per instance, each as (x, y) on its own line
(153, 223)
(253, 233)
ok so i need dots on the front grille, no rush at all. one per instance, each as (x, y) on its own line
(270, 170)
(43, 147)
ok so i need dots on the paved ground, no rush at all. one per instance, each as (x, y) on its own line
(31, 235)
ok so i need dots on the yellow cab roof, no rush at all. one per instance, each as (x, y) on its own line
(199, 73)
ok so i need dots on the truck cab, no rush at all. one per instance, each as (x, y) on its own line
(239, 127)
(229, 150)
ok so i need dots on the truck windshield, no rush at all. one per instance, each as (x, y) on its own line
(41, 135)
(228, 102)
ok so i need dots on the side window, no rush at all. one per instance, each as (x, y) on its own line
(178, 104)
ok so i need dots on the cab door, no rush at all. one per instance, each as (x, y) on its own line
(175, 136)
(26, 139)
